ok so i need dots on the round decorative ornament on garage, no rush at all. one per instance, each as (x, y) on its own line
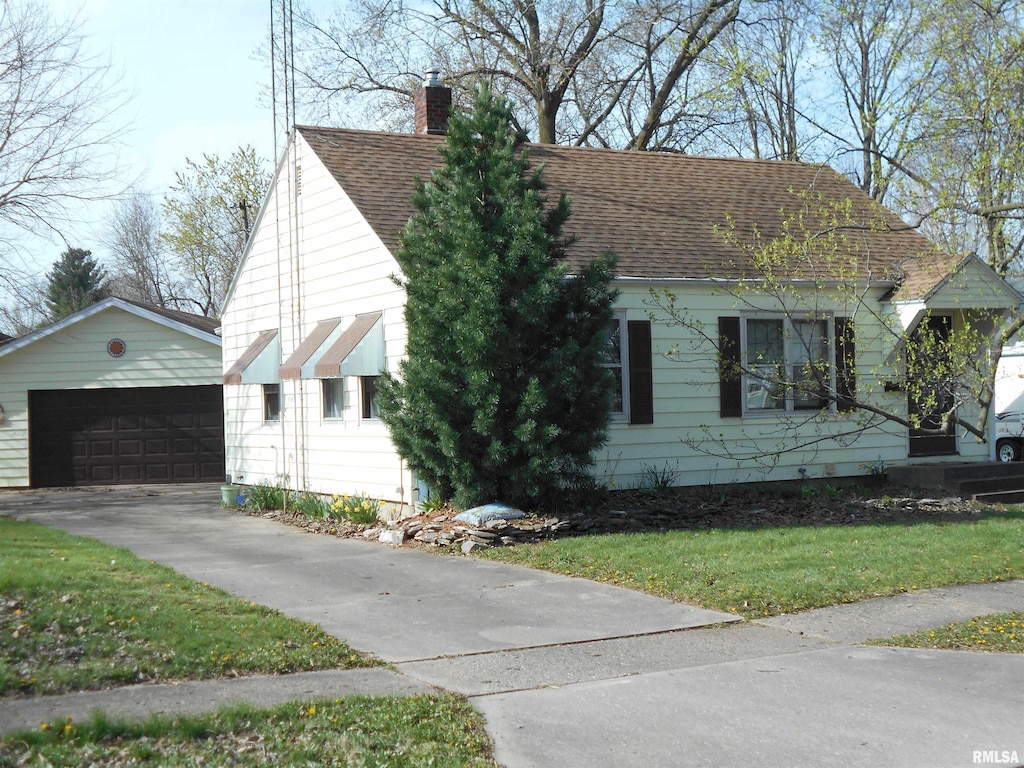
(116, 348)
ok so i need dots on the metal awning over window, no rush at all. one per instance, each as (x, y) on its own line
(359, 351)
(259, 363)
(298, 364)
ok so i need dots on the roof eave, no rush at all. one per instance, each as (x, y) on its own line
(101, 306)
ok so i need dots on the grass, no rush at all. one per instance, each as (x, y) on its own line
(779, 570)
(1002, 632)
(396, 732)
(76, 614)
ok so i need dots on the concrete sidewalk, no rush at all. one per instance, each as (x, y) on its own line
(198, 697)
(567, 671)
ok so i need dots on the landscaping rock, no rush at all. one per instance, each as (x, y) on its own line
(672, 509)
(393, 537)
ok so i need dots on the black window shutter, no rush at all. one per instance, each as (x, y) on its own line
(846, 364)
(730, 380)
(641, 375)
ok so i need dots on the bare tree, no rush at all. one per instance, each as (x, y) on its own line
(970, 176)
(587, 71)
(25, 312)
(882, 73)
(755, 84)
(139, 267)
(56, 133)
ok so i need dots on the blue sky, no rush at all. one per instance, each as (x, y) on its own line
(193, 86)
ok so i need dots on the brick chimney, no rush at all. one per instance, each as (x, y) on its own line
(433, 104)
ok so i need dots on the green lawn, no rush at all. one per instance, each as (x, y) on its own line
(392, 732)
(1003, 632)
(76, 614)
(769, 571)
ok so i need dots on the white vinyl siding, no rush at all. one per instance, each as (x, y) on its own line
(329, 264)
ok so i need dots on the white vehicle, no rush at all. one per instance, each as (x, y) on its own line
(1009, 404)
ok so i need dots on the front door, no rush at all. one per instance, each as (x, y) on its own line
(923, 442)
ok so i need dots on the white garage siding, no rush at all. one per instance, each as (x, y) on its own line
(74, 356)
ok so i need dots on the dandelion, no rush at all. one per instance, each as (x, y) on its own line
(311, 711)
(44, 726)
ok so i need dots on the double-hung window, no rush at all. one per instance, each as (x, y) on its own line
(271, 402)
(368, 384)
(614, 358)
(787, 363)
(333, 391)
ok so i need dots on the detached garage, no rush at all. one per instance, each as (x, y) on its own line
(117, 393)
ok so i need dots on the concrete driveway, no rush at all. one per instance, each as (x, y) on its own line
(574, 673)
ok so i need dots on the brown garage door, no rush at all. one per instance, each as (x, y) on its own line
(114, 436)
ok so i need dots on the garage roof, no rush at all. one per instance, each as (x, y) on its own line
(192, 325)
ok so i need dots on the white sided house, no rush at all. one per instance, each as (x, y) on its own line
(313, 314)
(116, 393)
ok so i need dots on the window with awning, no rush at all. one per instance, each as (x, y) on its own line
(300, 363)
(358, 351)
(259, 363)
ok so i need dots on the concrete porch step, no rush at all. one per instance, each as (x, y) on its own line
(1000, 497)
(985, 481)
(987, 485)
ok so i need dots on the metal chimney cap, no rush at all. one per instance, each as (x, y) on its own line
(432, 78)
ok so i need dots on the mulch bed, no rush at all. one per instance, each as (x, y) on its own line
(674, 509)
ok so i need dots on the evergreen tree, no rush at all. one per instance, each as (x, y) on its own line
(74, 282)
(502, 395)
